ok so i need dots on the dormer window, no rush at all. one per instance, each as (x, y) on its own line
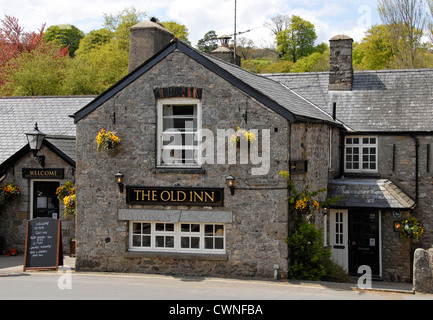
(361, 154)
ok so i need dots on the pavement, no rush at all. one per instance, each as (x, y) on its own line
(14, 265)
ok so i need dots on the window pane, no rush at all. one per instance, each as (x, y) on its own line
(184, 242)
(195, 243)
(195, 228)
(355, 140)
(208, 243)
(159, 241)
(159, 227)
(184, 227)
(136, 241)
(136, 228)
(169, 242)
(219, 243)
(219, 230)
(208, 230)
(146, 241)
(146, 228)
(169, 227)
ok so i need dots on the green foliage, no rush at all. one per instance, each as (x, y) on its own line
(64, 35)
(94, 40)
(375, 50)
(315, 62)
(307, 254)
(209, 42)
(309, 260)
(297, 40)
(180, 31)
(410, 228)
(38, 72)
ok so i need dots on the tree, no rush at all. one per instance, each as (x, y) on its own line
(65, 36)
(406, 20)
(297, 41)
(37, 72)
(121, 23)
(180, 31)
(375, 50)
(209, 42)
(278, 23)
(103, 58)
(14, 41)
(94, 40)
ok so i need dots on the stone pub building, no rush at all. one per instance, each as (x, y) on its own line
(152, 205)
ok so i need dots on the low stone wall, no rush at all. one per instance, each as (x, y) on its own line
(423, 270)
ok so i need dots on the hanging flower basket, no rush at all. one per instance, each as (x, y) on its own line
(10, 191)
(67, 195)
(242, 134)
(410, 229)
(69, 202)
(107, 140)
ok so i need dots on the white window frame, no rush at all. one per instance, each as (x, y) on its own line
(177, 102)
(360, 146)
(178, 234)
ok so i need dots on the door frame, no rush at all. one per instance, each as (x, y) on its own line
(345, 240)
(32, 195)
(346, 226)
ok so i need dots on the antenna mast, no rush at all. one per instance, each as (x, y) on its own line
(234, 41)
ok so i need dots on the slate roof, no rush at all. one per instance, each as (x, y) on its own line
(380, 101)
(274, 95)
(19, 114)
(371, 193)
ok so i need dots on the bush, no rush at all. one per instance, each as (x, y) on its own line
(309, 259)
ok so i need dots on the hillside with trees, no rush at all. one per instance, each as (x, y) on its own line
(63, 60)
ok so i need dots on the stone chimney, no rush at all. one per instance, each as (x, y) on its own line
(340, 63)
(146, 39)
(224, 52)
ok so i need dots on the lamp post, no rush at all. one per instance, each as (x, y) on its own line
(35, 139)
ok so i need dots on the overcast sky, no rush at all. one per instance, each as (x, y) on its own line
(331, 17)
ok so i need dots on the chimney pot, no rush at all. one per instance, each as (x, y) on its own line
(146, 39)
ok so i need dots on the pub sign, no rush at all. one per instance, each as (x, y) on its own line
(43, 173)
(213, 197)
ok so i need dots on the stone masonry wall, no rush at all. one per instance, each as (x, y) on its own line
(14, 216)
(255, 239)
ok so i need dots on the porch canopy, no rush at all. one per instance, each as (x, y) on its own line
(370, 193)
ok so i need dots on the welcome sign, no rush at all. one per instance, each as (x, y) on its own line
(175, 196)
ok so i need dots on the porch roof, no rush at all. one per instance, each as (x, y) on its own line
(370, 193)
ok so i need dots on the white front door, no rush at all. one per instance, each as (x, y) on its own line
(338, 235)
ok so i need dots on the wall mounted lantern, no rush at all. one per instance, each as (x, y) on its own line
(119, 181)
(325, 211)
(35, 139)
(231, 184)
(397, 226)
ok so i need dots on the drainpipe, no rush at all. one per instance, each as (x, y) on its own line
(416, 169)
(416, 139)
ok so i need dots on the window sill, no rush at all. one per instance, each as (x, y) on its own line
(177, 255)
(180, 170)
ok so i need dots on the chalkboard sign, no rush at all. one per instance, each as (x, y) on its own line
(43, 244)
